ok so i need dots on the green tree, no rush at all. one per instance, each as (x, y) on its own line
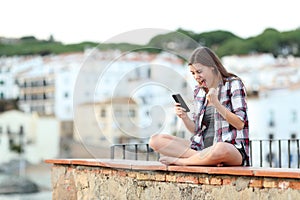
(215, 39)
(291, 42)
(268, 41)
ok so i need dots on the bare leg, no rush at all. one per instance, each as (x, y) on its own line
(169, 145)
(218, 154)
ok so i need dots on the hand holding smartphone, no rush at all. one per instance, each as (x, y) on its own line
(179, 99)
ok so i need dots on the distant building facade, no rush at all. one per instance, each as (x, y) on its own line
(107, 122)
(29, 136)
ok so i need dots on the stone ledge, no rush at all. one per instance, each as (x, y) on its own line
(129, 179)
(157, 166)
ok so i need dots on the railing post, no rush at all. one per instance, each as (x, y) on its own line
(124, 148)
(136, 151)
(112, 152)
(298, 165)
(279, 153)
(289, 152)
(260, 152)
(148, 150)
(250, 149)
(270, 153)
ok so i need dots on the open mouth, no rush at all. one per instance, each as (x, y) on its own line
(203, 85)
(202, 82)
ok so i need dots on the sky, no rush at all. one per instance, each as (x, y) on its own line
(74, 21)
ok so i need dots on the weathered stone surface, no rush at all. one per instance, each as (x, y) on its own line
(84, 183)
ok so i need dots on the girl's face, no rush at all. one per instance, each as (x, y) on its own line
(204, 75)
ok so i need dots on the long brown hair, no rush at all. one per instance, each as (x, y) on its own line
(207, 57)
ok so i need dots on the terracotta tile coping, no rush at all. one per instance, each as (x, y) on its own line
(157, 166)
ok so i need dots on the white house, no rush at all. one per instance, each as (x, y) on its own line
(37, 136)
(47, 88)
(9, 68)
(251, 62)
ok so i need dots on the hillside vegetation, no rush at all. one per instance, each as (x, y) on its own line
(223, 42)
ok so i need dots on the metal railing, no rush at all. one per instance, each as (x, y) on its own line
(134, 151)
(275, 153)
(281, 153)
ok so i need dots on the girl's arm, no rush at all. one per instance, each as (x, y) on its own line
(229, 116)
(189, 124)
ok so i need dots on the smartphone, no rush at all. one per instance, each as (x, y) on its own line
(179, 99)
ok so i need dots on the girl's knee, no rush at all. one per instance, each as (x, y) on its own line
(219, 151)
(154, 140)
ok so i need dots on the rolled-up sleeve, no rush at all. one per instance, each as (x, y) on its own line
(238, 99)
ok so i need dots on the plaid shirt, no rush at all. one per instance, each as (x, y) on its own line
(232, 95)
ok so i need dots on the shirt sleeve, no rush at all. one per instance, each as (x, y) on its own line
(238, 99)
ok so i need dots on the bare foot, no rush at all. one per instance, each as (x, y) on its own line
(168, 160)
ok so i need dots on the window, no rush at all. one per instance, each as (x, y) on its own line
(66, 95)
(149, 73)
(271, 122)
(103, 113)
(294, 116)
